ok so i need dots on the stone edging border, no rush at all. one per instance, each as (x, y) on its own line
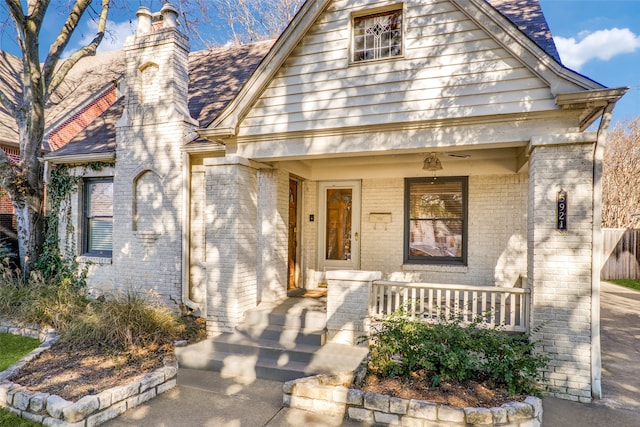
(92, 410)
(330, 394)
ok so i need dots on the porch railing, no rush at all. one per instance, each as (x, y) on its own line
(505, 307)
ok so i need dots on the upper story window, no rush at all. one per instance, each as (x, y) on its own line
(98, 217)
(377, 36)
(436, 220)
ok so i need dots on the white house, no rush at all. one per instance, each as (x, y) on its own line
(431, 141)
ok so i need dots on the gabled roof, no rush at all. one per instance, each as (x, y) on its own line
(98, 139)
(84, 82)
(10, 68)
(216, 76)
(518, 25)
(528, 17)
(220, 78)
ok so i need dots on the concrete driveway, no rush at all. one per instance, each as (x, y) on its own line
(620, 406)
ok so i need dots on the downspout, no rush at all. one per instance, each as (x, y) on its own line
(186, 234)
(596, 257)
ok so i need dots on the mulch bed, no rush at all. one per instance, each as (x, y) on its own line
(458, 394)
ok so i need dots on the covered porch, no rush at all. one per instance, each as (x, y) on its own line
(355, 299)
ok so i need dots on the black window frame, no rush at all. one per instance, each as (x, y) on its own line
(436, 260)
(86, 250)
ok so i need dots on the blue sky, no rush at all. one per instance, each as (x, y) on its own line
(598, 38)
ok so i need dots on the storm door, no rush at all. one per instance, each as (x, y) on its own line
(339, 225)
(293, 269)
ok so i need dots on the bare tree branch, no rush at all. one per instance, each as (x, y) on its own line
(254, 20)
(621, 178)
(53, 79)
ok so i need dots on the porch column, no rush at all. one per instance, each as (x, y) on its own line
(348, 304)
(273, 216)
(231, 241)
(559, 261)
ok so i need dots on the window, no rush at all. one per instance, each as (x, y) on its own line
(436, 220)
(98, 217)
(377, 36)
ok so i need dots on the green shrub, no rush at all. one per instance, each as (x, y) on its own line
(451, 349)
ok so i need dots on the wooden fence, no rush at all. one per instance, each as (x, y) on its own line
(620, 254)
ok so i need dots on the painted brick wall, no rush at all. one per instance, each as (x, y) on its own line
(147, 231)
(497, 232)
(560, 265)
(148, 258)
(231, 240)
(309, 240)
(273, 217)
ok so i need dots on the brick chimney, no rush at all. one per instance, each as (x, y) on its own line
(157, 64)
(148, 183)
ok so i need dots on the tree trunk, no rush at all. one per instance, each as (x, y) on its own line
(30, 224)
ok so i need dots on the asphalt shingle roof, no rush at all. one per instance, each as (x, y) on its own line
(84, 80)
(217, 75)
(528, 17)
(98, 137)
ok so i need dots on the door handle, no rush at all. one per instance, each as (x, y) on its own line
(356, 236)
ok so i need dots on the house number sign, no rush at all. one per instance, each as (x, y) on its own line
(562, 210)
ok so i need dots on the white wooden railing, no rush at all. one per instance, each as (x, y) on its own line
(506, 307)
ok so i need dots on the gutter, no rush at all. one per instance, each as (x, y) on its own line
(186, 235)
(596, 255)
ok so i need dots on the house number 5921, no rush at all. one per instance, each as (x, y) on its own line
(562, 210)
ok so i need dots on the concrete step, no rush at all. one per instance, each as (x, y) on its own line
(285, 336)
(292, 313)
(240, 344)
(268, 361)
(279, 341)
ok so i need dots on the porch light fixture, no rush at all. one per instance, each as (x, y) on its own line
(432, 163)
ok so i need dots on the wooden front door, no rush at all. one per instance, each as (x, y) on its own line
(292, 282)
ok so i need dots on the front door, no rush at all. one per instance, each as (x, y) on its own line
(339, 247)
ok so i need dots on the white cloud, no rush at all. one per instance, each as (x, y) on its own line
(601, 44)
(114, 37)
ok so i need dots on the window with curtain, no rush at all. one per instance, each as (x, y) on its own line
(436, 220)
(98, 218)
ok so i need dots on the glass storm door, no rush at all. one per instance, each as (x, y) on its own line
(292, 281)
(339, 225)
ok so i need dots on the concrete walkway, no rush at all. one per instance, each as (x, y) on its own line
(620, 340)
(206, 399)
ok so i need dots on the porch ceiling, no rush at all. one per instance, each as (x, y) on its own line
(455, 162)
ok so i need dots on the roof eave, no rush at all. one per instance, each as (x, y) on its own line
(530, 53)
(81, 158)
(592, 102)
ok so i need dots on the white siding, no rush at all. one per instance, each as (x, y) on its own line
(450, 68)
